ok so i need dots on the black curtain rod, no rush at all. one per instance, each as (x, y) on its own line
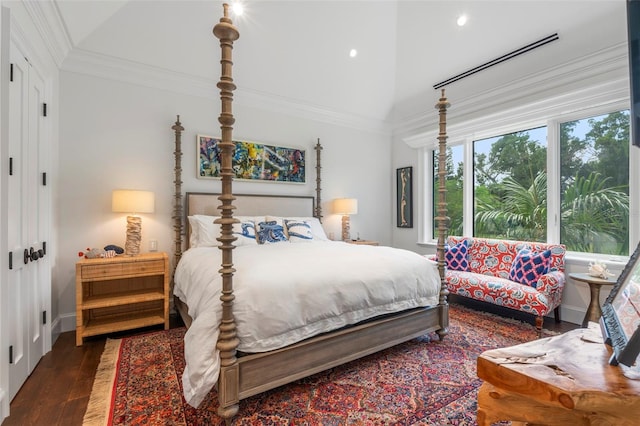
(517, 52)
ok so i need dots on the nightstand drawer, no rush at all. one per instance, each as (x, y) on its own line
(107, 270)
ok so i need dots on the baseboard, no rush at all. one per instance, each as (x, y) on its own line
(571, 314)
(64, 323)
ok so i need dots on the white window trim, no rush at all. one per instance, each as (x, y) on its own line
(600, 99)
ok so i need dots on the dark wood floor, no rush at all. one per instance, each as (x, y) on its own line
(57, 392)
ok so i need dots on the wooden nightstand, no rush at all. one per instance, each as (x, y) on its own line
(121, 293)
(363, 242)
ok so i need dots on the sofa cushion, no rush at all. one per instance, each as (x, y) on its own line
(456, 256)
(529, 266)
(500, 291)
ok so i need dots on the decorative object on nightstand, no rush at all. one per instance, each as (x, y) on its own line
(132, 202)
(121, 293)
(345, 207)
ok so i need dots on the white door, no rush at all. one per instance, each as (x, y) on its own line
(28, 203)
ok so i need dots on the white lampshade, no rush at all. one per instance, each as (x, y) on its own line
(132, 201)
(345, 206)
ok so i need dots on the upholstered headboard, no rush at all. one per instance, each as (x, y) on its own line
(251, 205)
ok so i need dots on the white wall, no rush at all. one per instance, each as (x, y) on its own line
(118, 135)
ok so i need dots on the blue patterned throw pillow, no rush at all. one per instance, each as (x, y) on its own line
(271, 232)
(456, 256)
(528, 266)
(245, 233)
(298, 230)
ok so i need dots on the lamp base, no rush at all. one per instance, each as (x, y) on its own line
(134, 236)
(346, 231)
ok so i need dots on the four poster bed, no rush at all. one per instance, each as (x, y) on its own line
(263, 315)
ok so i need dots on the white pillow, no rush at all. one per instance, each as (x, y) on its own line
(316, 227)
(203, 231)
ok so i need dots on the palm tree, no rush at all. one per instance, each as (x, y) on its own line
(594, 217)
(520, 214)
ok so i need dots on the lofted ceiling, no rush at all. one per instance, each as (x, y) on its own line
(297, 51)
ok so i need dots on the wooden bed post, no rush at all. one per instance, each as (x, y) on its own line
(228, 382)
(318, 209)
(442, 220)
(177, 198)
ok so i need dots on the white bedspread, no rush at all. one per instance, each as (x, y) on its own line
(287, 292)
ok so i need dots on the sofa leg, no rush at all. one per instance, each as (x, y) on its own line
(556, 314)
(539, 321)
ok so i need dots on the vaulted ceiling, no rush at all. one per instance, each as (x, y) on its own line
(298, 51)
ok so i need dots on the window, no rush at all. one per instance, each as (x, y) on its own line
(587, 163)
(594, 184)
(510, 186)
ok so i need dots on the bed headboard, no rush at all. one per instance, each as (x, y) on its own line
(251, 205)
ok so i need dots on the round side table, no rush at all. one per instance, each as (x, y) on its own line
(594, 312)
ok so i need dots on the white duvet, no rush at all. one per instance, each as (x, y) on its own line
(287, 292)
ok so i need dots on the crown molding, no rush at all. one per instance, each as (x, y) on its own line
(46, 17)
(555, 85)
(112, 68)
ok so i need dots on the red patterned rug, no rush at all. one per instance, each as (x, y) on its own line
(421, 382)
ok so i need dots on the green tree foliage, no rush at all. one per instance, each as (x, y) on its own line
(511, 187)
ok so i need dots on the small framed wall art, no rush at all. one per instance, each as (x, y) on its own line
(252, 161)
(404, 183)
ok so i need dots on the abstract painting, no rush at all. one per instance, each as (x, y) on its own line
(252, 161)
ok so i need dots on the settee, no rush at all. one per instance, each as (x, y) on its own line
(522, 275)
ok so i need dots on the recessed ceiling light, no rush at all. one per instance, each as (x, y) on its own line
(238, 10)
(462, 19)
(353, 53)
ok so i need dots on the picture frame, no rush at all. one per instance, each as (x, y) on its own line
(620, 320)
(404, 193)
(252, 161)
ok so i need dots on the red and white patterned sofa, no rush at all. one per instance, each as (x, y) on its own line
(498, 272)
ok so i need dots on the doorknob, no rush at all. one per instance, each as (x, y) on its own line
(26, 256)
(34, 254)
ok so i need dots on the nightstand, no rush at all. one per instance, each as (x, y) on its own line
(362, 242)
(121, 293)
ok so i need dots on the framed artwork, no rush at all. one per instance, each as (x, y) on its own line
(252, 161)
(404, 195)
(620, 321)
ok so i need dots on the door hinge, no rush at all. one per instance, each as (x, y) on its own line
(10, 166)
(11, 73)
(44, 178)
(10, 260)
(44, 317)
(44, 109)
(11, 354)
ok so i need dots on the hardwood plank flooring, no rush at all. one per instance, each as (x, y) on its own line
(57, 392)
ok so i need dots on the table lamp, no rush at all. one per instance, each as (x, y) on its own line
(345, 207)
(132, 202)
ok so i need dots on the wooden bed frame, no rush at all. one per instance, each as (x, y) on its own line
(250, 374)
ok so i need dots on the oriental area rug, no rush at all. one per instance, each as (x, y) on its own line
(421, 382)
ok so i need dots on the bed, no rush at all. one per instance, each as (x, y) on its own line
(232, 332)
